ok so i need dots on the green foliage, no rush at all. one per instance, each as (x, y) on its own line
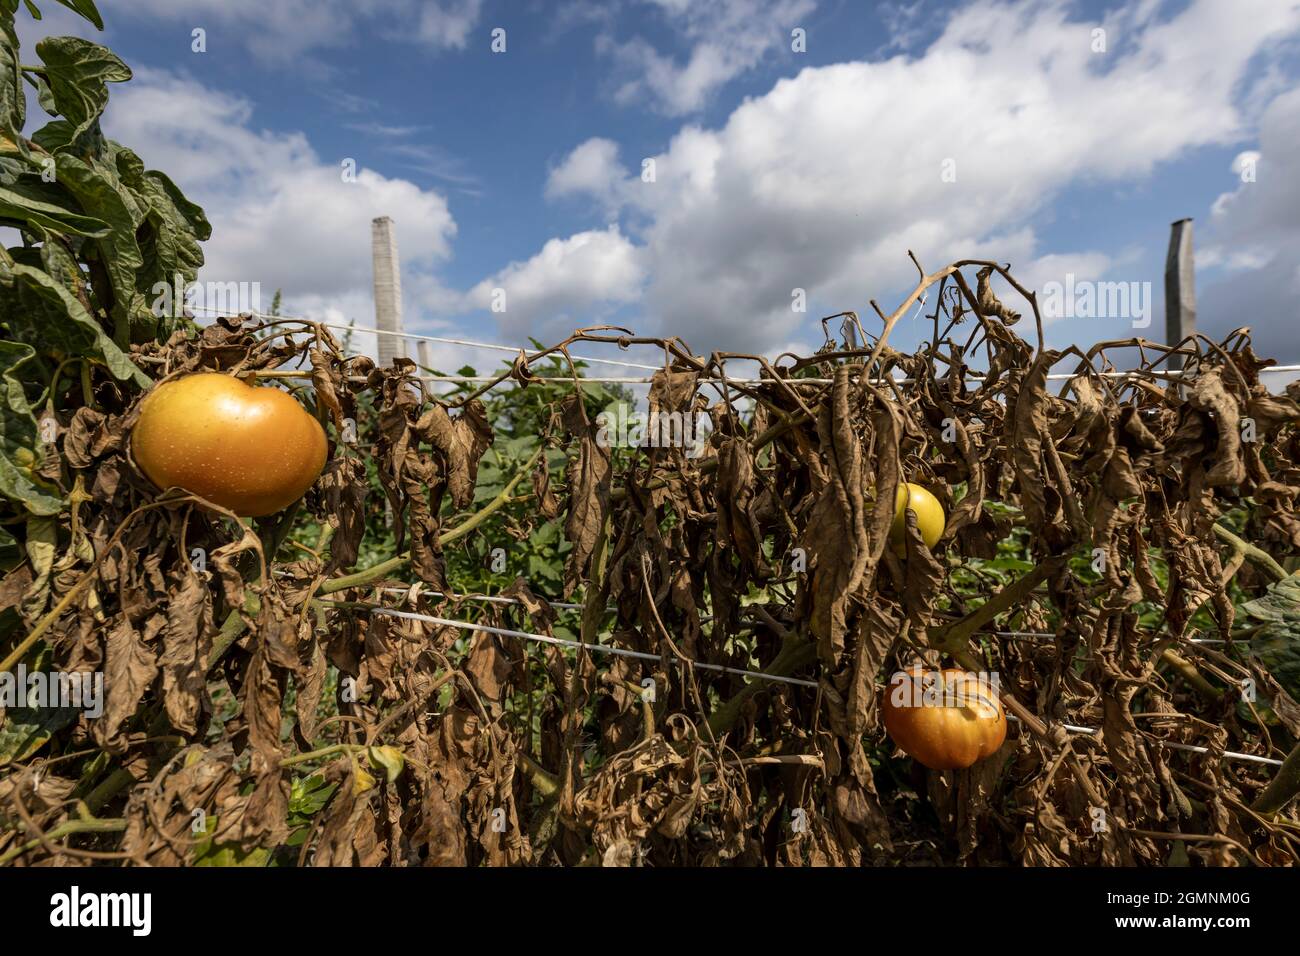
(18, 436)
(85, 8)
(208, 853)
(100, 234)
(76, 77)
(25, 730)
(1277, 643)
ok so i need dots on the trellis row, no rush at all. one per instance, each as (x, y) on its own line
(415, 590)
(640, 380)
(600, 648)
(371, 330)
(760, 675)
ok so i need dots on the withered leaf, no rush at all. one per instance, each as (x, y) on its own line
(588, 480)
(462, 442)
(836, 539)
(187, 642)
(129, 668)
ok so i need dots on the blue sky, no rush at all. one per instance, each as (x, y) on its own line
(775, 169)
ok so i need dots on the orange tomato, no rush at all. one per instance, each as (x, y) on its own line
(253, 450)
(945, 719)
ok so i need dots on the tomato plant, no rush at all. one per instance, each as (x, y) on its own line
(486, 634)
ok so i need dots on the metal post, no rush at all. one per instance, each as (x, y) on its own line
(1180, 287)
(388, 289)
(426, 366)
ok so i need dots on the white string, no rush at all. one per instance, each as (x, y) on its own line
(1190, 748)
(498, 599)
(515, 350)
(634, 380)
(593, 379)
(371, 330)
(486, 598)
(548, 639)
(761, 675)
(1046, 634)
(641, 380)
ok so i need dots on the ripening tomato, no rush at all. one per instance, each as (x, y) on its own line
(929, 516)
(253, 450)
(945, 719)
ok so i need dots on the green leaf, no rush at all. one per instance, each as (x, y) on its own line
(309, 795)
(20, 447)
(59, 135)
(44, 312)
(87, 9)
(41, 547)
(1281, 603)
(170, 239)
(190, 213)
(1277, 644)
(13, 99)
(78, 73)
(10, 170)
(27, 729)
(100, 193)
(207, 853)
(388, 759)
(129, 166)
(46, 205)
(43, 95)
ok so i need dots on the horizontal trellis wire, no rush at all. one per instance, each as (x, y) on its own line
(710, 376)
(974, 376)
(760, 675)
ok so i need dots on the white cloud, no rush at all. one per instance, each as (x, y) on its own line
(903, 22)
(826, 181)
(447, 23)
(726, 38)
(592, 169)
(281, 215)
(284, 30)
(1253, 233)
(569, 283)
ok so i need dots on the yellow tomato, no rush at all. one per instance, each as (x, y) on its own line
(929, 516)
(253, 450)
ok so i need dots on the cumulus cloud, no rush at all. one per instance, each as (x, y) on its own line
(592, 170)
(824, 182)
(726, 38)
(282, 216)
(285, 30)
(1253, 238)
(569, 283)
